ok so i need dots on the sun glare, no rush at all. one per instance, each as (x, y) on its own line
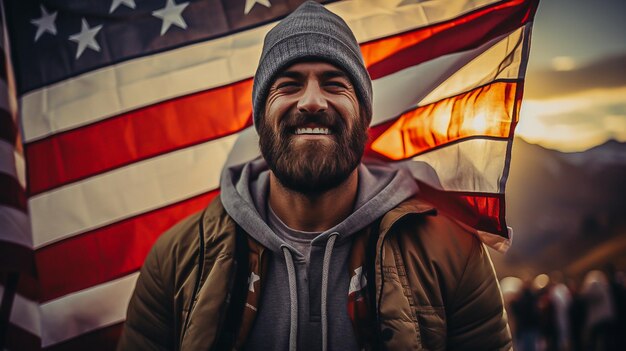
(563, 63)
(479, 124)
(441, 123)
(575, 122)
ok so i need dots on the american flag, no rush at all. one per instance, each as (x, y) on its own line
(117, 117)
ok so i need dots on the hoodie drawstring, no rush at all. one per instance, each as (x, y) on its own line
(293, 296)
(325, 272)
(293, 293)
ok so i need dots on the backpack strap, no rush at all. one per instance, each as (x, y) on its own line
(362, 291)
(236, 298)
(370, 271)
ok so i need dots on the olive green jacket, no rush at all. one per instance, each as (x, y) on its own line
(434, 286)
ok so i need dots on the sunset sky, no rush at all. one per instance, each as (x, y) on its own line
(575, 95)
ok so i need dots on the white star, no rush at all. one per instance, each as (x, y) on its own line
(171, 14)
(86, 38)
(358, 281)
(250, 5)
(251, 280)
(45, 23)
(116, 3)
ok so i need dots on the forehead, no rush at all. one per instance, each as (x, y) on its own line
(313, 68)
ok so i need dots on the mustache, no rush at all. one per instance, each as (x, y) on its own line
(296, 119)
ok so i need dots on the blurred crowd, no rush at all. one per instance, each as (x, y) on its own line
(552, 313)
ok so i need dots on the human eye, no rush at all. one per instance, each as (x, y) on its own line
(337, 84)
(286, 84)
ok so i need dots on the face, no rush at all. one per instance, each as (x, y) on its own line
(312, 134)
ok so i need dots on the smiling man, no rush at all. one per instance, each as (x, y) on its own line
(313, 136)
(308, 248)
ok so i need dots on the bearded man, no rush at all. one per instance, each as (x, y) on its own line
(307, 248)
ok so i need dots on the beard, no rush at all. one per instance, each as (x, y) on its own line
(312, 166)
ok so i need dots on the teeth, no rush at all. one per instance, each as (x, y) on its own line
(321, 131)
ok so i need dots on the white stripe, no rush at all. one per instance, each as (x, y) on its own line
(87, 310)
(25, 314)
(77, 313)
(127, 191)
(446, 76)
(15, 226)
(501, 61)
(454, 167)
(133, 84)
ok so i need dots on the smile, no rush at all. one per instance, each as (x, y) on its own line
(313, 131)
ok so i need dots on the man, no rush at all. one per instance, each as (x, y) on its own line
(308, 248)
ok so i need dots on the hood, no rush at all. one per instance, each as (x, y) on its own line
(245, 189)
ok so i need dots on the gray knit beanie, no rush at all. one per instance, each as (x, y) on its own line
(310, 32)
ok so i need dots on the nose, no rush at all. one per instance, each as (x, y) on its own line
(312, 99)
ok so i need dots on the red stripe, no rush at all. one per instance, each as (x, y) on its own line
(107, 253)
(374, 133)
(487, 111)
(11, 193)
(390, 55)
(482, 211)
(137, 135)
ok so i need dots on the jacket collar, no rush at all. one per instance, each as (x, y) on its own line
(412, 206)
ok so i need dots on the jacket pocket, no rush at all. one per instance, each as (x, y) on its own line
(432, 325)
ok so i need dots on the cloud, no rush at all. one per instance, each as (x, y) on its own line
(605, 73)
(575, 122)
(563, 63)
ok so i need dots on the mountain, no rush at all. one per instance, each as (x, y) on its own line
(599, 157)
(562, 206)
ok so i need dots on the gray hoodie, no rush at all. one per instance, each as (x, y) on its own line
(304, 299)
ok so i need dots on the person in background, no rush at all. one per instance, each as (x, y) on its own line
(600, 312)
(619, 279)
(577, 316)
(561, 300)
(548, 328)
(526, 315)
